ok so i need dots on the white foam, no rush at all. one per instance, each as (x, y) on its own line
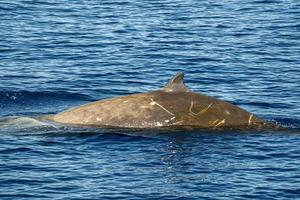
(22, 122)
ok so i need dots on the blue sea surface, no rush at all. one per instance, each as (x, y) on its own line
(59, 54)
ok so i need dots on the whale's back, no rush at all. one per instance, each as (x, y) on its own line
(158, 109)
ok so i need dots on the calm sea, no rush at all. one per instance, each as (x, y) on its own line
(59, 54)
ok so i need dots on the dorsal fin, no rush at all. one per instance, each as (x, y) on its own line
(176, 84)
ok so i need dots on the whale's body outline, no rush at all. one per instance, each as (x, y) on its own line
(172, 106)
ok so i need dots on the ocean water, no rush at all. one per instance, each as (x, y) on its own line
(59, 54)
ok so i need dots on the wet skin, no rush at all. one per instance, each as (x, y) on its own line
(174, 105)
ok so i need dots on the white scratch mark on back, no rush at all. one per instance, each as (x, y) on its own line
(250, 119)
(155, 103)
(201, 111)
(221, 122)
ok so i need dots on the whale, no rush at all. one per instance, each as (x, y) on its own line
(173, 105)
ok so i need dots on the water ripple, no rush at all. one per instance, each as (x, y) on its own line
(59, 54)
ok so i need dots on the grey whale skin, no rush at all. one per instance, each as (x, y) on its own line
(172, 106)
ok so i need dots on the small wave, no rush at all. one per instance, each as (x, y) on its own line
(19, 124)
(288, 123)
(262, 104)
(15, 150)
(20, 103)
(266, 2)
(22, 96)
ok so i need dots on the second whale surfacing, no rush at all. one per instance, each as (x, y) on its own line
(172, 106)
